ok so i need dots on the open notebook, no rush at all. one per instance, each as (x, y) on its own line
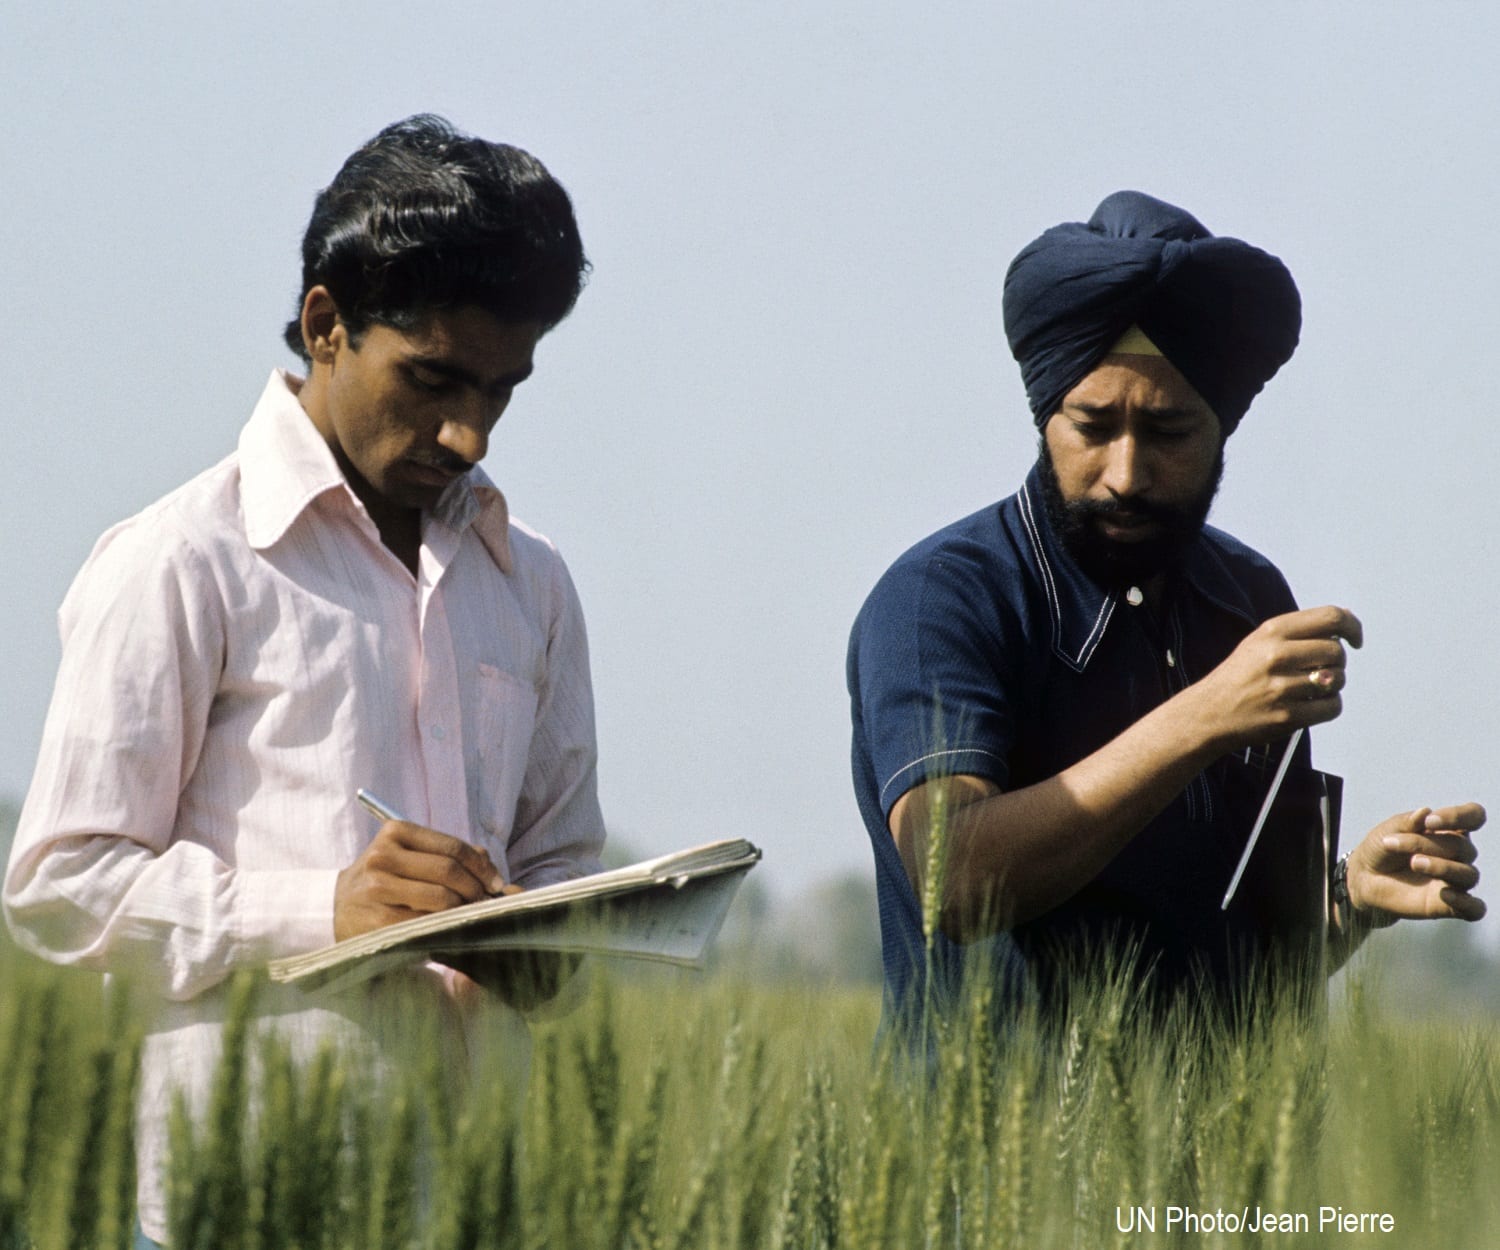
(667, 909)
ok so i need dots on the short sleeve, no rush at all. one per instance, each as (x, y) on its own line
(930, 671)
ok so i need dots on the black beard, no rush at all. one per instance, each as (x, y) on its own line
(1118, 565)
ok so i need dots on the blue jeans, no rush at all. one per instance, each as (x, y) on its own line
(142, 1242)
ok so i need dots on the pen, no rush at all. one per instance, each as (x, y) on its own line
(384, 811)
(376, 808)
(1260, 821)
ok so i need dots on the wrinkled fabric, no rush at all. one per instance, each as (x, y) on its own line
(1226, 314)
(986, 651)
(237, 661)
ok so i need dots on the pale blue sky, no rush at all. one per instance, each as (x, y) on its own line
(789, 364)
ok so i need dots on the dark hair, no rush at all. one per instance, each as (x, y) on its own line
(425, 217)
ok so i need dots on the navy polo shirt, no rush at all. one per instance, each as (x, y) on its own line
(986, 650)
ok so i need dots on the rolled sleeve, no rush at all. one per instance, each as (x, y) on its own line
(102, 874)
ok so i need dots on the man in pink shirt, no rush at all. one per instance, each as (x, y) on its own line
(344, 601)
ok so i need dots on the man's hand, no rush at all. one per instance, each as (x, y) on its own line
(407, 871)
(1285, 675)
(1419, 865)
(521, 979)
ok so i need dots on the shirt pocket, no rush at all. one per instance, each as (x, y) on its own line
(505, 720)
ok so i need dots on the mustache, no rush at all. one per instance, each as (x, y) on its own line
(1171, 515)
(444, 464)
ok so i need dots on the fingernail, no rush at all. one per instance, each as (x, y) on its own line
(497, 883)
(1391, 842)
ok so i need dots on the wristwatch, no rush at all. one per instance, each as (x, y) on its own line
(1372, 919)
(1341, 883)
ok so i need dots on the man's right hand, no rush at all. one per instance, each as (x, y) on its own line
(407, 871)
(1283, 676)
(1014, 855)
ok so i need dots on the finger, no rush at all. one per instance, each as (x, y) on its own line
(1450, 871)
(1301, 713)
(1464, 906)
(372, 914)
(1454, 846)
(1322, 682)
(429, 841)
(1464, 816)
(1419, 898)
(1409, 822)
(482, 867)
(398, 862)
(416, 896)
(385, 914)
(423, 884)
(1325, 622)
(1311, 708)
(1301, 655)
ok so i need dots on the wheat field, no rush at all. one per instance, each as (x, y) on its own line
(682, 1110)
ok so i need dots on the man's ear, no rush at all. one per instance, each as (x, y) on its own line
(322, 331)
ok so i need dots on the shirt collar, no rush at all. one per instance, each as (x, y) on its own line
(285, 465)
(1081, 610)
(477, 501)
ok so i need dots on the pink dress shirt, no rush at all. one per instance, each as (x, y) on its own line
(237, 660)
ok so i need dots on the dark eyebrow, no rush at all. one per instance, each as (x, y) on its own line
(1174, 414)
(457, 373)
(1092, 410)
(1154, 414)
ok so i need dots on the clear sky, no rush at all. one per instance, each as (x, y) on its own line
(789, 363)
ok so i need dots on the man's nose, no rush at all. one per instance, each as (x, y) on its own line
(1127, 469)
(466, 431)
(465, 439)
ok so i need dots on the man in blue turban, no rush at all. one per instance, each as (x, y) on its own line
(1069, 707)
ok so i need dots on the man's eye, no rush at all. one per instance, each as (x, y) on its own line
(425, 381)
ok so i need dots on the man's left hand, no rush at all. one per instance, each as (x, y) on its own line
(1419, 865)
(522, 979)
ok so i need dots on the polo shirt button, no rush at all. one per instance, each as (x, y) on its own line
(1171, 659)
(437, 732)
(1134, 597)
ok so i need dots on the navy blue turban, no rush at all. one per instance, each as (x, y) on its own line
(1224, 313)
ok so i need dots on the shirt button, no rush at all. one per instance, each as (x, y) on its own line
(437, 732)
(1171, 659)
(1134, 597)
